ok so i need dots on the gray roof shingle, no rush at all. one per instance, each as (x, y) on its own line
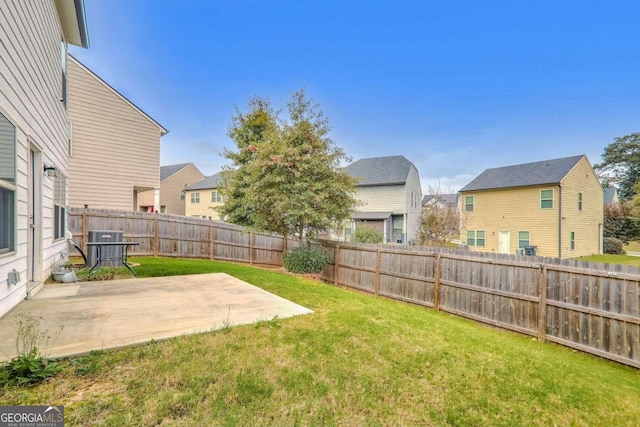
(537, 173)
(391, 170)
(167, 171)
(210, 182)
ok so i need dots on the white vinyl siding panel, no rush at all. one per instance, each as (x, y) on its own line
(30, 91)
(382, 199)
(115, 147)
(413, 212)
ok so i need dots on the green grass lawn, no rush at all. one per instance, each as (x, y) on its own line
(632, 246)
(612, 259)
(358, 360)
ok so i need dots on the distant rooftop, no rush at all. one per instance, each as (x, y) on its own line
(209, 183)
(169, 170)
(389, 170)
(448, 199)
(537, 173)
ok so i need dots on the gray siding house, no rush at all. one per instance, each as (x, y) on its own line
(390, 197)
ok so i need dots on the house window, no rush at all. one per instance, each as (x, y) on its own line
(216, 197)
(523, 239)
(546, 199)
(59, 206)
(398, 228)
(468, 203)
(579, 201)
(572, 240)
(182, 193)
(476, 238)
(195, 197)
(7, 185)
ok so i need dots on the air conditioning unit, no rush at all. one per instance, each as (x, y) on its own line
(520, 251)
(113, 253)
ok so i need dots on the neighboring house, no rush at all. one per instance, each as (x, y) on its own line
(554, 205)
(114, 148)
(389, 195)
(173, 181)
(444, 200)
(203, 197)
(610, 196)
(34, 139)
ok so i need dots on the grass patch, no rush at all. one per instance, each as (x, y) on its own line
(612, 259)
(358, 360)
(632, 246)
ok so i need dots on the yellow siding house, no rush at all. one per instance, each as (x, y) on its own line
(552, 208)
(202, 198)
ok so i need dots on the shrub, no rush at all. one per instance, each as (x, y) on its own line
(28, 368)
(613, 246)
(31, 366)
(305, 259)
(366, 234)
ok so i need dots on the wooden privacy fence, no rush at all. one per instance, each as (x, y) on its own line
(179, 236)
(590, 307)
(581, 305)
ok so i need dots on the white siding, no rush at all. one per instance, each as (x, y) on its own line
(413, 204)
(30, 93)
(382, 199)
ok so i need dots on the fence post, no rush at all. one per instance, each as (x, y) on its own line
(436, 283)
(156, 243)
(377, 282)
(252, 238)
(284, 248)
(83, 241)
(336, 260)
(542, 306)
(212, 246)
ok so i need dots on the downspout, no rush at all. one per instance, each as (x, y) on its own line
(560, 220)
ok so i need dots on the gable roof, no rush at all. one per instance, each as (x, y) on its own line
(163, 131)
(169, 170)
(210, 182)
(528, 174)
(391, 170)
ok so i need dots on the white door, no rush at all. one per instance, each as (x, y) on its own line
(34, 248)
(504, 242)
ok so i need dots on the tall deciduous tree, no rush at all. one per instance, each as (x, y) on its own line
(247, 130)
(621, 164)
(290, 176)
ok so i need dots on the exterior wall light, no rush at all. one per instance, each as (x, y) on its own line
(50, 171)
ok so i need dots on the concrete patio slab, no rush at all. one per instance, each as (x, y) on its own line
(118, 313)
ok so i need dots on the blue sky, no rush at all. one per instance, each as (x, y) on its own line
(454, 86)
